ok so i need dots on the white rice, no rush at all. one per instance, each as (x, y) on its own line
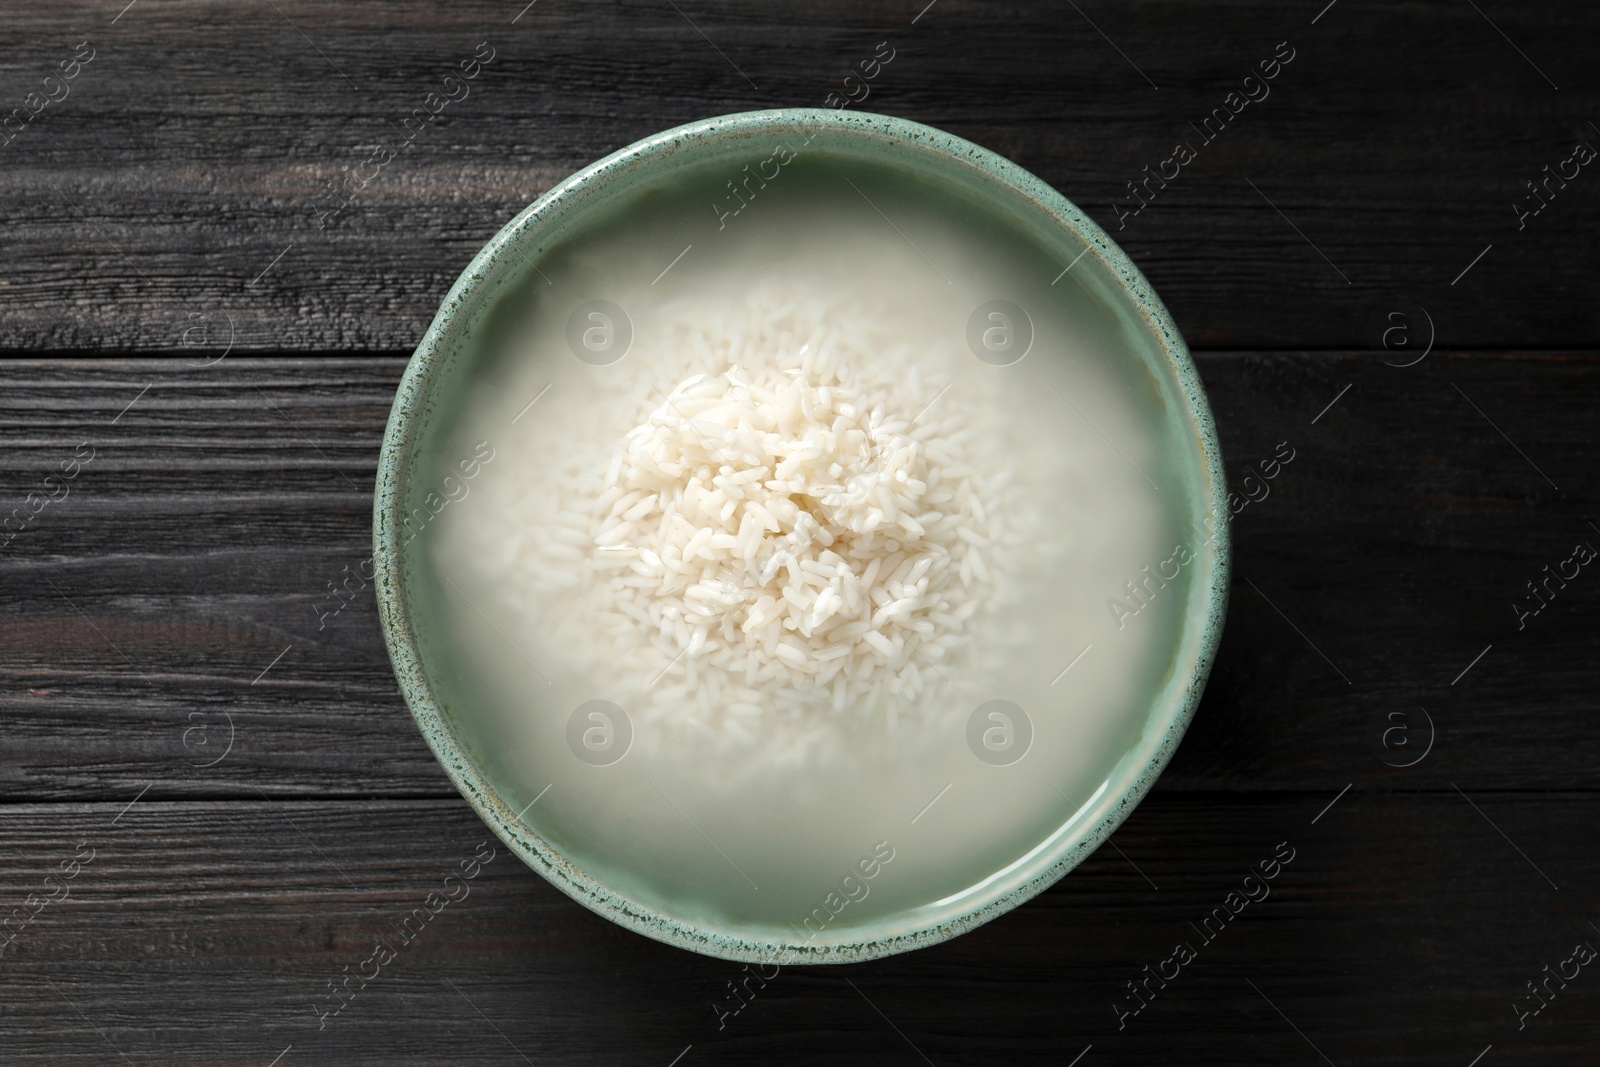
(776, 522)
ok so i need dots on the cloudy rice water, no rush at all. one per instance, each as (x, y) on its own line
(805, 541)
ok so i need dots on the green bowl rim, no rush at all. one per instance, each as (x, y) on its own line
(412, 408)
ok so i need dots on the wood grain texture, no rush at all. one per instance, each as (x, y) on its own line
(205, 933)
(143, 611)
(179, 184)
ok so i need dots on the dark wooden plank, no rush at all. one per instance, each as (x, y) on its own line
(198, 545)
(1388, 558)
(196, 549)
(1400, 932)
(180, 182)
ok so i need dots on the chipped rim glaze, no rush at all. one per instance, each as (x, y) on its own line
(910, 144)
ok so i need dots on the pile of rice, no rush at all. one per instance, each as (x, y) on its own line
(775, 522)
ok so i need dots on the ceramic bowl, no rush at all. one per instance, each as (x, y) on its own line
(1050, 218)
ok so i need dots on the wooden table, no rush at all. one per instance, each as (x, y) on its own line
(212, 790)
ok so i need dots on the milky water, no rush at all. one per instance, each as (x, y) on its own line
(904, 825)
